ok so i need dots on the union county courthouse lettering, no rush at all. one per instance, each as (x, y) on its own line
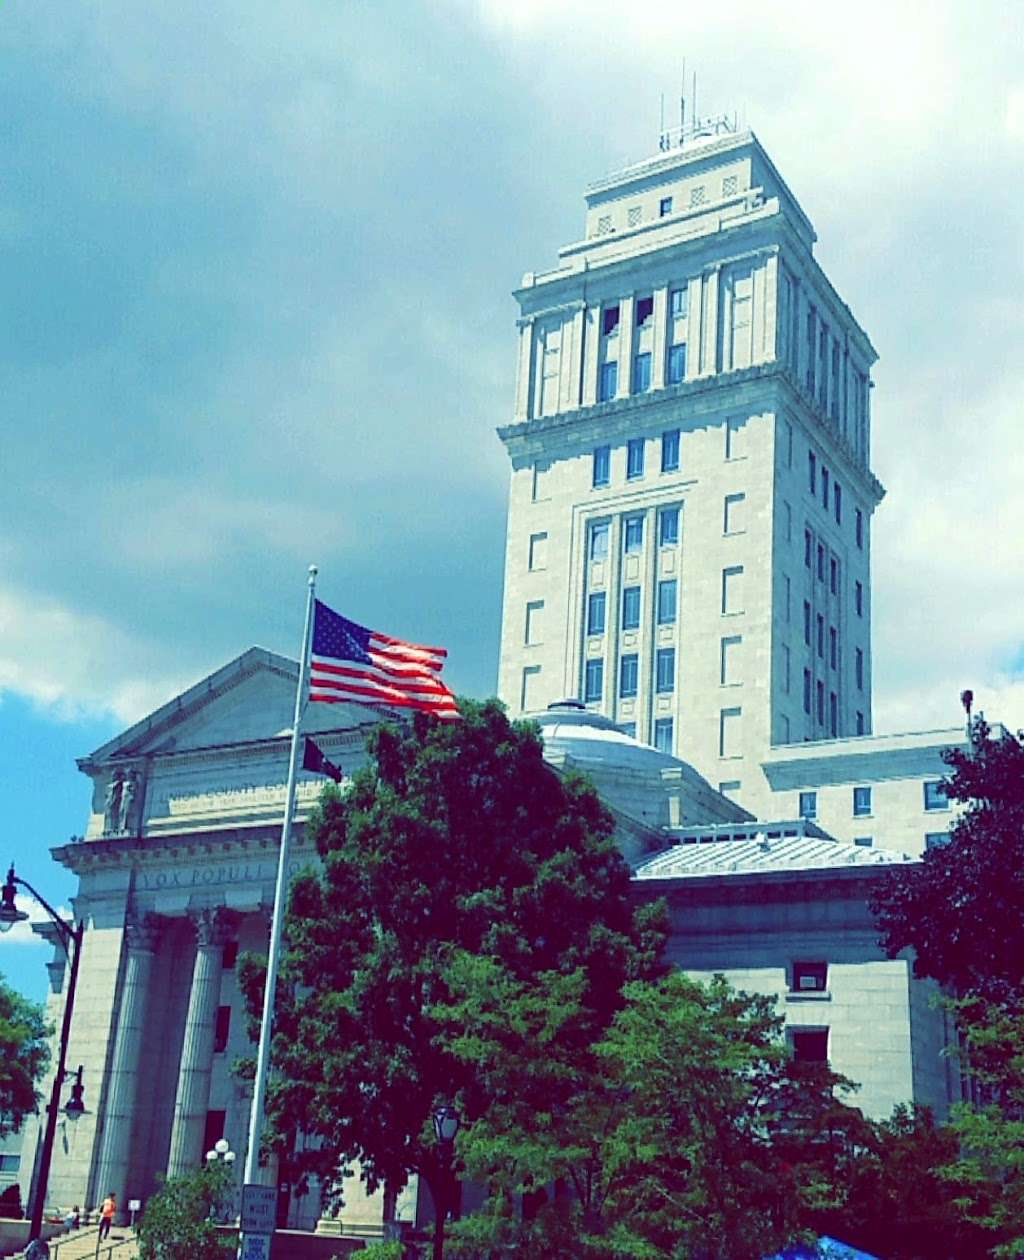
(687, 612)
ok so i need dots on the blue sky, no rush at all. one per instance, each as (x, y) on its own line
(256, 313)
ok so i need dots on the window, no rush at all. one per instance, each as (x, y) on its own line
(697, 195)
(644, 310)
(665, 206)
(810, 977)
(593, 686)
(633, 535)
(864, 842)
(808, 804)
(733, 439)
(665, 670)
(628, 675)
(861, 802)
(859, 527)
(819, 691)
(837, 502)
(628, 728)
(860, 723)
(808, 548)
(642, 373)
(729, 786)
(596, 606)
(858, 598)
(807, 691)
(833, 575)
(812, 472)
(833, 714)
(824, 487)
(668, 527)
(534, 632)
(810, 1045)
(785, 668)
(858, 669)
(821, 563)
(679, 302)
(599, 540)
(807, 623)
(833, 647)
(631, 608)
(730, 185)
(734, 515)
(663, 734)
(529, 699)
(730, 662)
(608, 385)
(732, 590)
(787, 521)
(230, 956)
(540, 482)
(635, 457)
(602, 471)
(820, 622)
(935, 796)
(604, 225)
(670, 450)
(538, 558)
(9, 1163)
(676, 363)
(633, 216)
(729, 732)
(222, 1026)
(610, 320)
(667, 592)
(783, 729)
(785, 596)
(936, 839)
(213, 1129)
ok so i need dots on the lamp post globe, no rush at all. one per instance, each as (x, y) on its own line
(9, 912)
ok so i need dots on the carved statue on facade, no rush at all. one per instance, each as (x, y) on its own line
(129, 789)
(112, 804)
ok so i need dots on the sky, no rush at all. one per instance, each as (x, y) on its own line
(256, 313)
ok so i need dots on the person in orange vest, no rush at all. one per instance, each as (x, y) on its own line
(107, 1213)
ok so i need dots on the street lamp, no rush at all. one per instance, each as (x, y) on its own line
(220, 1153)
(71, 940)
(446, 1126)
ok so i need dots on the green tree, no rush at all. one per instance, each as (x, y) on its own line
(689, 1132)
(180, 1220)
(455, 837)
(24, 1056)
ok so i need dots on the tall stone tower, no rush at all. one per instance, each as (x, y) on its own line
(688, 545)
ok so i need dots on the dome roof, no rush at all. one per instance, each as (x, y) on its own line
(570, 728)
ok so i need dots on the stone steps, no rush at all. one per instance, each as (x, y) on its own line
(80, 1244)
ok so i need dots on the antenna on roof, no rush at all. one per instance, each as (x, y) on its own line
(696, 115)
(682, 103)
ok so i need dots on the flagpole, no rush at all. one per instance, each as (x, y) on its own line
(280, 901)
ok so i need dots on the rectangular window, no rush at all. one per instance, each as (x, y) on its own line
(608, 385)
(602, 470)
(610, 320)
(810, 977)
(858, 599)
(785, 597)
(810, 1045)
(824, 487)
(668, 527)
(808, 548)
(221, 1028)
(596, 609)
(833, 575)
(833, 714)
(665, 206)
(730, 663)
(808, 804)
(936, 839)
(864, 842)
(635, 458)
(678, 302)
(807, 623)
(665, 670)
(785, 668)
(733, 439)
(860, 723)
(729, 786)
(663, 734)
(812, 472)
(729, 731)
(819, 689)
(213, 1130)
(540, 482)
(628, 676)
(593, 686)
(230, 955)
(644, 310)
(837, 502)
(534, 631)
(667, 600)
(677, 363)
(628, 728)
(670, 450)
(642, 372)
(821, 563)
(861, 802)
(539, 551)
(732, 590)
(807, 691)
(858, 669)
(734, 515)
(859, 527)
(820, 623)
(599, 540)
(634, 216)
(9, 1163)
(935, 796)
(631, 608)
(633, 534)
(529, 697)
(833, 647)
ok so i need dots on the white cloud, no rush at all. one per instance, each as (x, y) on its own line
(21, 935)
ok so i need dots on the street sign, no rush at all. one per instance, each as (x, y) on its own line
(134, 1205)
(255, 1247)
(259, 1210)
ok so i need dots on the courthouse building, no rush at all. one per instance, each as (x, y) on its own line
(688, 561)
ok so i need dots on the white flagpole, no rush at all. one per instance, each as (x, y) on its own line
(280, 901)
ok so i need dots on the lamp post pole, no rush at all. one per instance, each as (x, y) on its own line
(71, 939)
(446, 1126)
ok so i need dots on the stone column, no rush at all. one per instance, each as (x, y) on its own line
(123, 1082)
(192, 1099)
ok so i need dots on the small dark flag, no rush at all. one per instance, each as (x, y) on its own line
(313, 759)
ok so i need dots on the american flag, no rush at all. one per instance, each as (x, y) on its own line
(350, 663)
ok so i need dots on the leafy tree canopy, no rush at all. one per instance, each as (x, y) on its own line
(456, 838)
(962, 908)
(24, 1056)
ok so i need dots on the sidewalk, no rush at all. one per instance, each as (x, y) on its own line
(80, 1244)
